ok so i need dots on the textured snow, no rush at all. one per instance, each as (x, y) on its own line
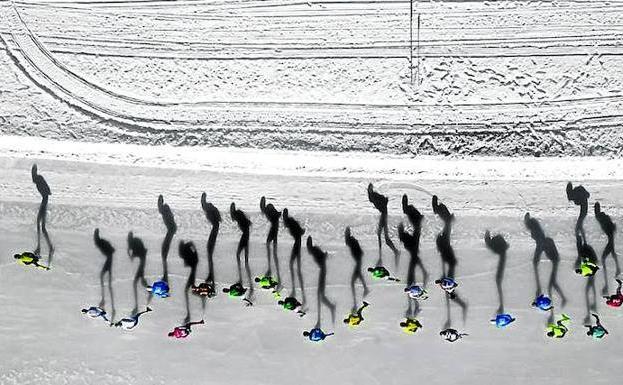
(497, 78)
(45, 340)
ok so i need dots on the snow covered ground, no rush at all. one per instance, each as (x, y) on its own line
(306, 103)
(45, 339)
(496, 77)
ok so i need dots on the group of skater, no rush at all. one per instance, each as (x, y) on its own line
(294, 300)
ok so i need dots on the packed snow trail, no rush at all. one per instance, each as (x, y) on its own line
(46, 339)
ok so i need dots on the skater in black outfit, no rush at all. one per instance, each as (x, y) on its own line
(380, 203)
(296, 231)
(44, 190)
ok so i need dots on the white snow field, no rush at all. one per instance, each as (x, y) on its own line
(495, 77)
(118, 101)
(44, 339)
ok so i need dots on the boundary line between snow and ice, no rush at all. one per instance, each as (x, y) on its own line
(315, 163)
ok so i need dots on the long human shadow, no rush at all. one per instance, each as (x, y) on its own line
(213, 216)
(380, 203)
(579, 196)
(189, 255)
(357, 253)
(544, 244)
(296, 231)
(45, 192)
(169, 222)
(411, 244)
(446, 252)
(136, 249)
(587, 253)
(106, 248)
(448, 258)
(320, 257)
(609, 228)
(244, 224)
(498, 245)
(272, 215)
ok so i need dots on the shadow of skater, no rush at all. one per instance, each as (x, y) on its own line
(244, 224)
(169, 222)
(411, 242)
(380, 203)
(412, 245)
(587, 257)
(272, 215)
(296, 231)
(188, 253)
(136, 249)
(448, 259)
(498, 245)
(320, 257)
(208, 288)
(357, 254)
(44, 190)
(579, 196)
(609, 228)
(108, 250)
(547, 245)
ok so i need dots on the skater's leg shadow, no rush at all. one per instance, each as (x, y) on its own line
(552, 254)
(413, 308)
(591, 300)
(448, 322)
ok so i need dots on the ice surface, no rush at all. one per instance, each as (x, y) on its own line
(45, 339)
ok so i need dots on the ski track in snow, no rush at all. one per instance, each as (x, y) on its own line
(45, 340)
(498, 77)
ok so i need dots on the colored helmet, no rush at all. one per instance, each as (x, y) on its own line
(503, 320)
(160, 289)
(416, 292)
(543, 302)
(316, 334)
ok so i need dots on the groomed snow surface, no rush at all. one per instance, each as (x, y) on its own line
(44, 338)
